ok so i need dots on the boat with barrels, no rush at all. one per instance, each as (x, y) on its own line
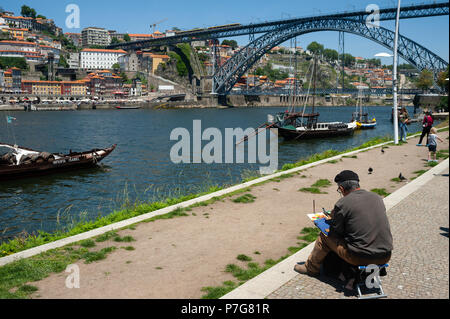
(18, 162)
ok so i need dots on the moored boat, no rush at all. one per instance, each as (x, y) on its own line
(18, 162)
(127, 107)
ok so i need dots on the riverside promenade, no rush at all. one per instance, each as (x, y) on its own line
(259, 220)
(418, 269)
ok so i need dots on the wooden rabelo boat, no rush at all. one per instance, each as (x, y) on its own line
(300, 125)
(20, 162)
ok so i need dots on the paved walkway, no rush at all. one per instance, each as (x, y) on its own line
(419, 267)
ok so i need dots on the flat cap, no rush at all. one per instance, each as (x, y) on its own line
(346, 176)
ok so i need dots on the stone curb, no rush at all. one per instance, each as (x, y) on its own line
(99, 231)
(267, 282)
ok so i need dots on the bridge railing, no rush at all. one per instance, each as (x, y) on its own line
(322, 91)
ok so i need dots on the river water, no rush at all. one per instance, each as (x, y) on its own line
(140, 169)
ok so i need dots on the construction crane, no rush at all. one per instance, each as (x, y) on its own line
(156, 23)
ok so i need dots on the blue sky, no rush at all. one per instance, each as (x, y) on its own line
(135, 16)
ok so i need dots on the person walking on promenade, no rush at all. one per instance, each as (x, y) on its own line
(403, 122)
(359, 229)
(432, 144)
(426, 124)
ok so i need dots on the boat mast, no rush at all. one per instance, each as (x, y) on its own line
(314, 83)
(295, 73)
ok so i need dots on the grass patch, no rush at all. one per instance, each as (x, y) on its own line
(243, 258)
(442, 154)
(97, 255)
(418, 173)
(247, 198)
(346, 156)
(333, 161)
(128, 248)
(88, 243)
(126, 239)
(27, 289)
(106, 236)
(380, 191)
(321, 183)
(313, 190)
(396, 179)
(431, 164)
(281, 177)
(217, 292)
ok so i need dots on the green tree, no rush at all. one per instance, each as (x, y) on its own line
(330, 54)
(315, 48)
(63, 62)
(26, 11)
(124, 77)
(114, 40)
(126, 37)
(231, 43)
(441, 81)
(116, 67)
(41, 16)
(9, 62)
(349, 59)
(425, 80)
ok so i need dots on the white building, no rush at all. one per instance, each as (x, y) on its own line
(95, 36)
(74, 60)
(100, 58)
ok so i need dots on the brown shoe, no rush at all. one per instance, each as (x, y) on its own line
(301, 269)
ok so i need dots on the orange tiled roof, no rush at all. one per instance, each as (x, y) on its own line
(17, 42)
(104, 50)
(140, 35)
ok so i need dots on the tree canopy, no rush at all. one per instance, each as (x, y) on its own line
(315, 47)
(425, 80)
(9, 62)
(127, 38)
(26, 11)
(330, 54)
(231, 43)
(441, 81)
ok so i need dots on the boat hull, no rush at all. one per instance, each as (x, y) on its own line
(290, 134)
(365, 126)
(69, 162)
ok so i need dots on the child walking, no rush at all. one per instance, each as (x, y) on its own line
(432, 144)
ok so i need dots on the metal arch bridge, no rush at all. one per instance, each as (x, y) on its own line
(277, 32)
(226, 76)
(233, 30)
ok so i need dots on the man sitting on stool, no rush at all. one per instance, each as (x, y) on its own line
(359, 229)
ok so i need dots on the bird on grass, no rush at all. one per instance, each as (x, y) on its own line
(370, 170)
(401, 177)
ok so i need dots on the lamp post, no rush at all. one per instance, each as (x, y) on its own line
(394, 70)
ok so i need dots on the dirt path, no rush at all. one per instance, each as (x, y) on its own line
(175, 258)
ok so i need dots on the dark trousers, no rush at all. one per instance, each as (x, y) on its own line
(425, 130)
(326, 244)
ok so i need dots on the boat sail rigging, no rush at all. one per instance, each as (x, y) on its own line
(291, 125)
(360, 117)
